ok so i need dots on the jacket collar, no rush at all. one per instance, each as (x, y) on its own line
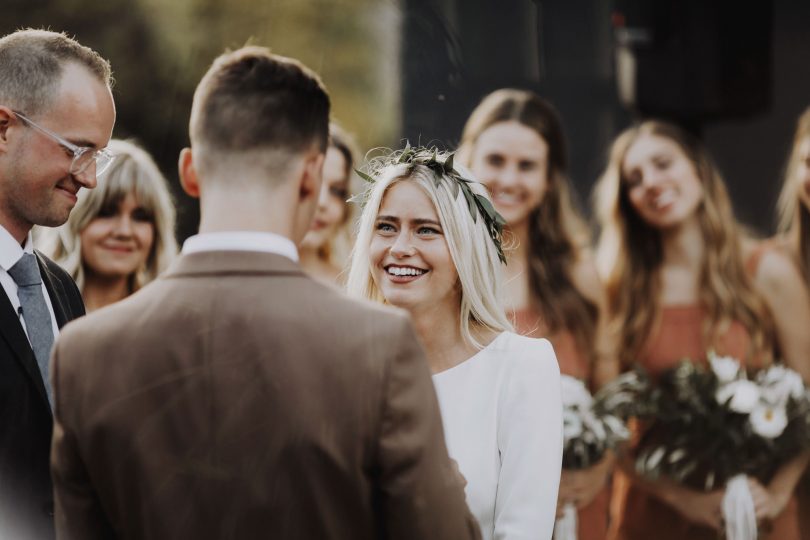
(208, 263)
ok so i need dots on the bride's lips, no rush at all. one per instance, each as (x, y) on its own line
(404, 273)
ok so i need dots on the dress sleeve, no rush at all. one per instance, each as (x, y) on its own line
(422, 496)
(530, 444)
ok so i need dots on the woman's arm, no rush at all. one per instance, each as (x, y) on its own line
(529, 438)
(605, 366)
(580, 487)
(780, 284)
(699, 507)
(770, 501)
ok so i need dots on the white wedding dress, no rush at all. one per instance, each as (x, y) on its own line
(502, 416)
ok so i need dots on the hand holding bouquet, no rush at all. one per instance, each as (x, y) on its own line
(713, 427)
(592, 425)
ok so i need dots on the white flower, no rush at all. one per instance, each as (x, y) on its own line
(744, 395)
(768, 421)
(572, 425)
(616, 427)
(574, 393)
(779, 383)
(726, 368)
(594, 426)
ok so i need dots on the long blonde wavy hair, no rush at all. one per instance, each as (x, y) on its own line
(794, 217)
(630, 254)
(557, 231)
(473, 252)
(133, 171)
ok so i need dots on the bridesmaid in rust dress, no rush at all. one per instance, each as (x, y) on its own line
(513, 143)
(677, 286)
(794, 239)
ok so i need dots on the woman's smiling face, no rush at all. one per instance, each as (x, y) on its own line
(511, 160)
(410, 261)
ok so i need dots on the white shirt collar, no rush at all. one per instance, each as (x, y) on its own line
(10, 250)
(242, 241)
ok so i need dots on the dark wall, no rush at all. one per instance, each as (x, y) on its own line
(455, 52)
(752, 152)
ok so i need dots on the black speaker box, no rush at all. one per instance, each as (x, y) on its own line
(694, 60)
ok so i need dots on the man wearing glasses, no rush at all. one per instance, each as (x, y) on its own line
(56, 117)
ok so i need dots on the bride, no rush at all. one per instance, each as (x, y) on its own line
(429, 242)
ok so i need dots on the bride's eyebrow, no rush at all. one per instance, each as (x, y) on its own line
(422, 221)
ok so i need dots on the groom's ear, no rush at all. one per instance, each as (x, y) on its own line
(188, 173)
(311, 177)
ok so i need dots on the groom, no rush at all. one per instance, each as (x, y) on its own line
(235, 397)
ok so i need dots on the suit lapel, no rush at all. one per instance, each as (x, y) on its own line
(13, 334)
(55, 292)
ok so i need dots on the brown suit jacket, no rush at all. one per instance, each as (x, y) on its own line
(237, 398)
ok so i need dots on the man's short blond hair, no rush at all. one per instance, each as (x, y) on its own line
(32, 63)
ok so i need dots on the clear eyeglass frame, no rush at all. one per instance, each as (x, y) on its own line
(83, 156)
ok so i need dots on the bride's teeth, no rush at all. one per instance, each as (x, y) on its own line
(405, 271)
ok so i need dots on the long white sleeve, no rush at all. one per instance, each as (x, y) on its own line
(502, 416)
(530, 444)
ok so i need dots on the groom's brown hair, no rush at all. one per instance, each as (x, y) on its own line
(253, 99)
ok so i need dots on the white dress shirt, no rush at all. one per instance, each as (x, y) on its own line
(242, 241)
(502, 416)
(10, 253)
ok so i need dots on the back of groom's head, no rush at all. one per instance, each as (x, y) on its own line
(254, 103)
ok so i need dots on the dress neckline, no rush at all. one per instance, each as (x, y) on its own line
(471, 359)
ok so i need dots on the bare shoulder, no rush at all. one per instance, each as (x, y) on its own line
(586, 278)
(777, 272)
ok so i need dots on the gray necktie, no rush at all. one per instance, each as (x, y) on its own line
(35, 312)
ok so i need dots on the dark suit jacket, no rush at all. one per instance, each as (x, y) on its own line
(26, 498)
(237, 398)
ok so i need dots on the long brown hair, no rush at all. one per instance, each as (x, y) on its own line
(794, 217)
(630, 254)
(557, 232)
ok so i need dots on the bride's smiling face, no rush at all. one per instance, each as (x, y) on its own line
(410, 261)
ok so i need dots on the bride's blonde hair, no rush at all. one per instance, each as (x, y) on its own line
(471, 247)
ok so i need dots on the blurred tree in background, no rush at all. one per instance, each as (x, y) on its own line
(159, 49)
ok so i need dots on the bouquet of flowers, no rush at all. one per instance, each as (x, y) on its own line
(592, 425)
(713, 426)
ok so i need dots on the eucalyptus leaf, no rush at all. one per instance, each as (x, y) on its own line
(448, 163)
(470, 203)
(364, 176)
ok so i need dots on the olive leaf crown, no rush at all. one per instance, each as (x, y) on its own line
(443, 170)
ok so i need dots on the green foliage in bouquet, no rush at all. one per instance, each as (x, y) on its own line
(592, 425)
(708, 424)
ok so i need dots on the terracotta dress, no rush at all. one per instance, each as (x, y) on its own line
(592, 519)
(641, 515)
